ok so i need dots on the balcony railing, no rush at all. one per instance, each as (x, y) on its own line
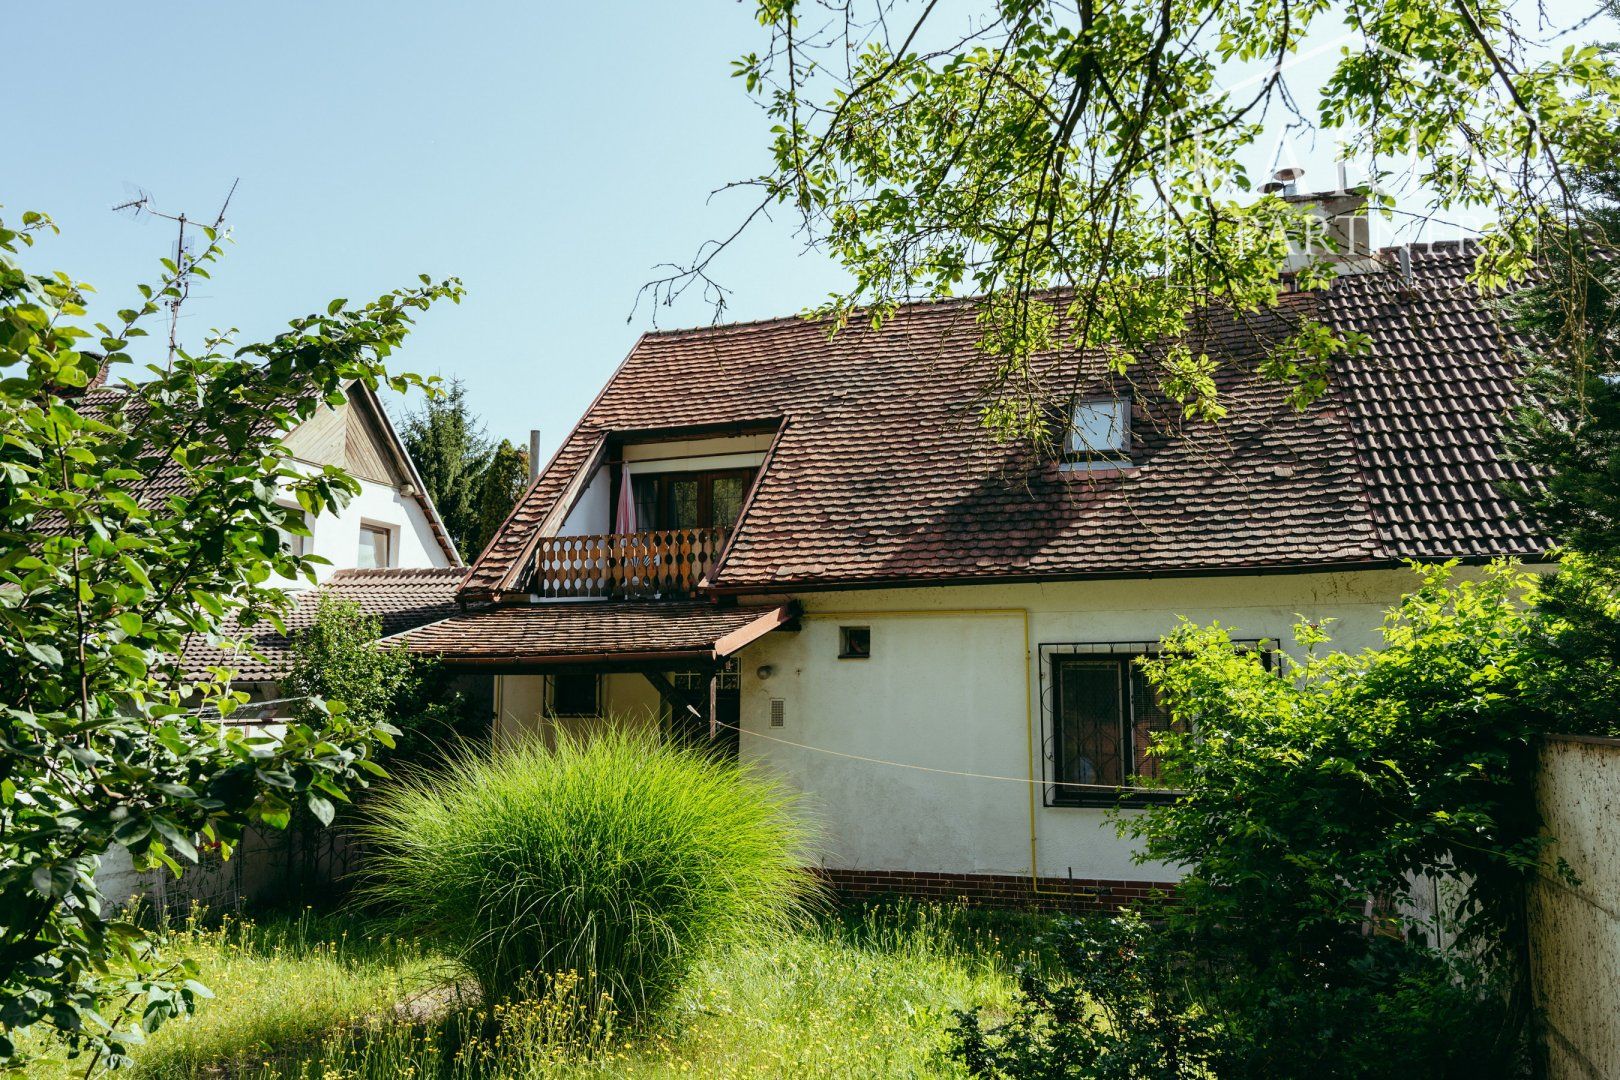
(667, 563)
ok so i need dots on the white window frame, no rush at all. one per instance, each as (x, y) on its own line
(1099, 431)
(391, 556)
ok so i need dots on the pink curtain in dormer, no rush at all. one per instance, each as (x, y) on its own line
(624, 516)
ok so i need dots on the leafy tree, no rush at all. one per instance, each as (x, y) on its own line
(339, 657)
(1568, 425)
(130, 518)
(448, 445)
(503, 484)
(1571, 649)
(1307, 802)
(1121, 1011)
(1023, 145)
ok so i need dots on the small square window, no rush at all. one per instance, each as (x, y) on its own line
(1100, 430)
(854, 642)
(576, 693)
(376, 547)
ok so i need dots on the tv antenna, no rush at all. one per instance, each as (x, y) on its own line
(185, 260)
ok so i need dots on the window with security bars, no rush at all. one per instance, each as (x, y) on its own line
(1103, 714)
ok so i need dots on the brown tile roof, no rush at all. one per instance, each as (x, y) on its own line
(1425, 409)
(167, 479)
(594, 630)
(400, 598)
(882, 474)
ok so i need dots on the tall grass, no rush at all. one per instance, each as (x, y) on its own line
(872, 996)
(618, 858)
(282, 984)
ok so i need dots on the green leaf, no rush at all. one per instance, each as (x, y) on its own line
(45, 654)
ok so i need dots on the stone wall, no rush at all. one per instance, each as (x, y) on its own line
(1575, 928)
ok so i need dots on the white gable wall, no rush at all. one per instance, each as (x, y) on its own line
(948, 687)
(337, 535)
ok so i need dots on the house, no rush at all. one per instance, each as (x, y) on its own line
(807, 545)
(389, 553)
(386, 549)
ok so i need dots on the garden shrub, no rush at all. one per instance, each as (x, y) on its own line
(1309, 800)
(615, 857)
(1125, 999)
(1118, 1008)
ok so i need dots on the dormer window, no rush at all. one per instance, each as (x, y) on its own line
(1100, 431)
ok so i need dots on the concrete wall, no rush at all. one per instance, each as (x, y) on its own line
(950, 687)
(1575, 929)
(257, 871)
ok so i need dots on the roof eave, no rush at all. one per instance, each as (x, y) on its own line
(728, 589)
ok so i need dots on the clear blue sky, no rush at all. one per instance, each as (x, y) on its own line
(547, 154)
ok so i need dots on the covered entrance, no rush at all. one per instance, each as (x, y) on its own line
(568, 666)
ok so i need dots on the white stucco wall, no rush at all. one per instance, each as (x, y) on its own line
(593, 513)
(949, 687)
(337, 535)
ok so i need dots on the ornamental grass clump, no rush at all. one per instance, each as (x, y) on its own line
(618, 859)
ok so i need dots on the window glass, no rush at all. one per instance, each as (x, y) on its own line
(1104, 715)
(645, 490)
(854, 642)
(683, 503)
(1101, 428)
(374, 547)
(728, 500)
(575, 693)
(1148, 718)
(1088, 722)
(695, 500)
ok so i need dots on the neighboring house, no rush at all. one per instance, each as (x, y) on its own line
(389, 553)
(392, 521)
(811, 539)
(386, 548)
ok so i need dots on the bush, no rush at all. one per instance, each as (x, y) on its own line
(1127, 999)
(617, 857)
(1120, 1009)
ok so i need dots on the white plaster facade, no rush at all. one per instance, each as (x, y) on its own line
(953, 684)
(335, 536)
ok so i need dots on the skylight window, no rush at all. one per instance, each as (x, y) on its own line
(1101, 430)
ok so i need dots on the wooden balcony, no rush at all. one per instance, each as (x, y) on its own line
(666, 564)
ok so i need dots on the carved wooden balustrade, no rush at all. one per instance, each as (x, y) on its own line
(667, 563)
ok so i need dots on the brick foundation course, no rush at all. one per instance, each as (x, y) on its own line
(996, 890)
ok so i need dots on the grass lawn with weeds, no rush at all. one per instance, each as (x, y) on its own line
(865, 994)
(280, 983)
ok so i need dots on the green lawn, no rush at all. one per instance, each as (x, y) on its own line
(868, 994)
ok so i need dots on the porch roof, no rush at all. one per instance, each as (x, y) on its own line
(594, 632)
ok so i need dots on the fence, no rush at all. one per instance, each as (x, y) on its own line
(302, 865)
(1575, 928)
